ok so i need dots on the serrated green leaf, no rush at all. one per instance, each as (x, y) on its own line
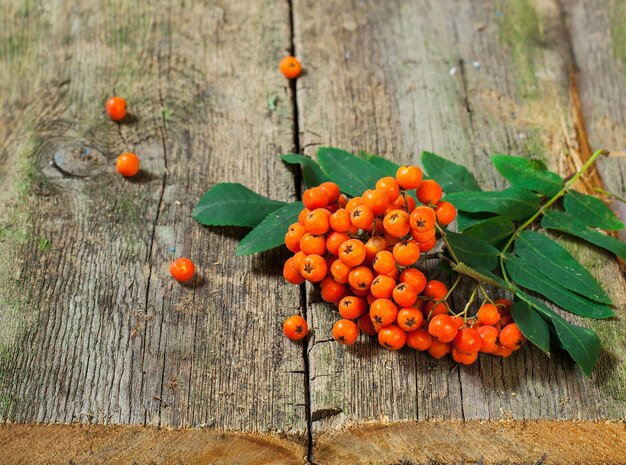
(592, 211)
(495, 230)
(528, 174)
(465, 220)
(582, 344)
(532, 325)
(231, 204)
(566, 223)
(386, 166)
(523, 273)
(450, 176)
(557, 264)
(352, 174)
(311, 171)
(270, 232)
(473, 252)
(514, 203)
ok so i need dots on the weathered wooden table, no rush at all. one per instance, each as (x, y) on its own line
(94, 331)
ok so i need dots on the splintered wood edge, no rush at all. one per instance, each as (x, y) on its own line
(95, 444)
(475, 442)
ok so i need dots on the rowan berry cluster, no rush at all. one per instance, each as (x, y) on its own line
(363, 253)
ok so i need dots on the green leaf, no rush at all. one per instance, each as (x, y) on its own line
(231, 204)
(352, 174)
(473, 252)
(270, 232)
(532, 325)
(582, 344)
(311, 171)
(528, 173)
(496, 231)
(557, 264)
(465, 220)
(515, 203)
(566, 223)
(386, 166)
(523, 273)
(592, 211)
(451, 177)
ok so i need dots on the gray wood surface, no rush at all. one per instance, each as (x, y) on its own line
(92, 327)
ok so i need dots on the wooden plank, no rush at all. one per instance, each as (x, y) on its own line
(462, 79)
(92, 327)
(95, 444)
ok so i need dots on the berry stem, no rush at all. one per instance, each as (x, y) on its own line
(454, 285)
(485, 295)
(560, 194)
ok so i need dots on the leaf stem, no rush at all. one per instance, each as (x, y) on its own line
(447, 244)
(560, 194)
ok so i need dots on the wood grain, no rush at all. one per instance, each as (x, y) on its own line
(92, 327)
(462, 79)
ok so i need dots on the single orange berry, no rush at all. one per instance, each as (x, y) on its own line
(127, 164)
(361, 278)
(353, 203)
(293, 236)
(443, 328)
(502, 351)
(388, 186)
(446, 213)
(468, 341)
(374, 245)
(382, 287)
(406, 252)
(290, 67)
(429, 192)
(462, 357)
(315, 198)
(340, 220)
(352, 307)
(302, 215)
(409, 177)
(362, 217)
(488, 314)
(489, 335)
(436, 290)
(419, 339)
(331, 290)
(314, 268)
(182, 269)
(404, 295)
(340, 271)
(313, 244)
(511, 337)
(392, 337)
(410, 319)
(298, 258)
(423, 219)
(295, 327)
(332, 190)
(396, 223)
(334, 240)
(116, 108)
(317, 222)
(291, 273)
(365, 325)
(426, 246)
(345, 332)
(414, 277)
(439, 349)
(384, 262)
(352, 252)
(383, 312)
(376, 201)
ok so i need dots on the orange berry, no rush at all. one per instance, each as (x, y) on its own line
(383, 312)
(290, 273)
(298, 258)
(362, 217)
(404, 295)
(436, 290)
(414, 277)
(429, 192)
(303, 214)
(402, 204)
(352, 307)
(127, 164)
(462, 357)
(374, 245)
(353, 203)
(426, 246)
(423, 219)
(365, 325)
(293, 236)
(409, 177)
(426, 236)
(384, 262)
(342, 201)
(295, 327)
(511, 337)
(315, 198)
(313, 244)
(382, 286)
(489, 335)
(419, 339)
(388, 186)
(290, 67)
(332, 190)
(340, 220)
(317, 222)
(406, 253)
(458, 322)
(446, 213)
(116, 108)
(439, 349)
(442, 328)
(468, 341)
(396, 223)
(376, 201)
(314, 268)
(502, 351)
(410, 319)
(392, 337)
(334, 240)
(352, 252)
(182, 269)
(345, 332)
(340, 271)
(488, 314)
(361, 278)
(331, 290)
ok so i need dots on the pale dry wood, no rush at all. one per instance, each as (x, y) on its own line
(92, 327)
(462, 79)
